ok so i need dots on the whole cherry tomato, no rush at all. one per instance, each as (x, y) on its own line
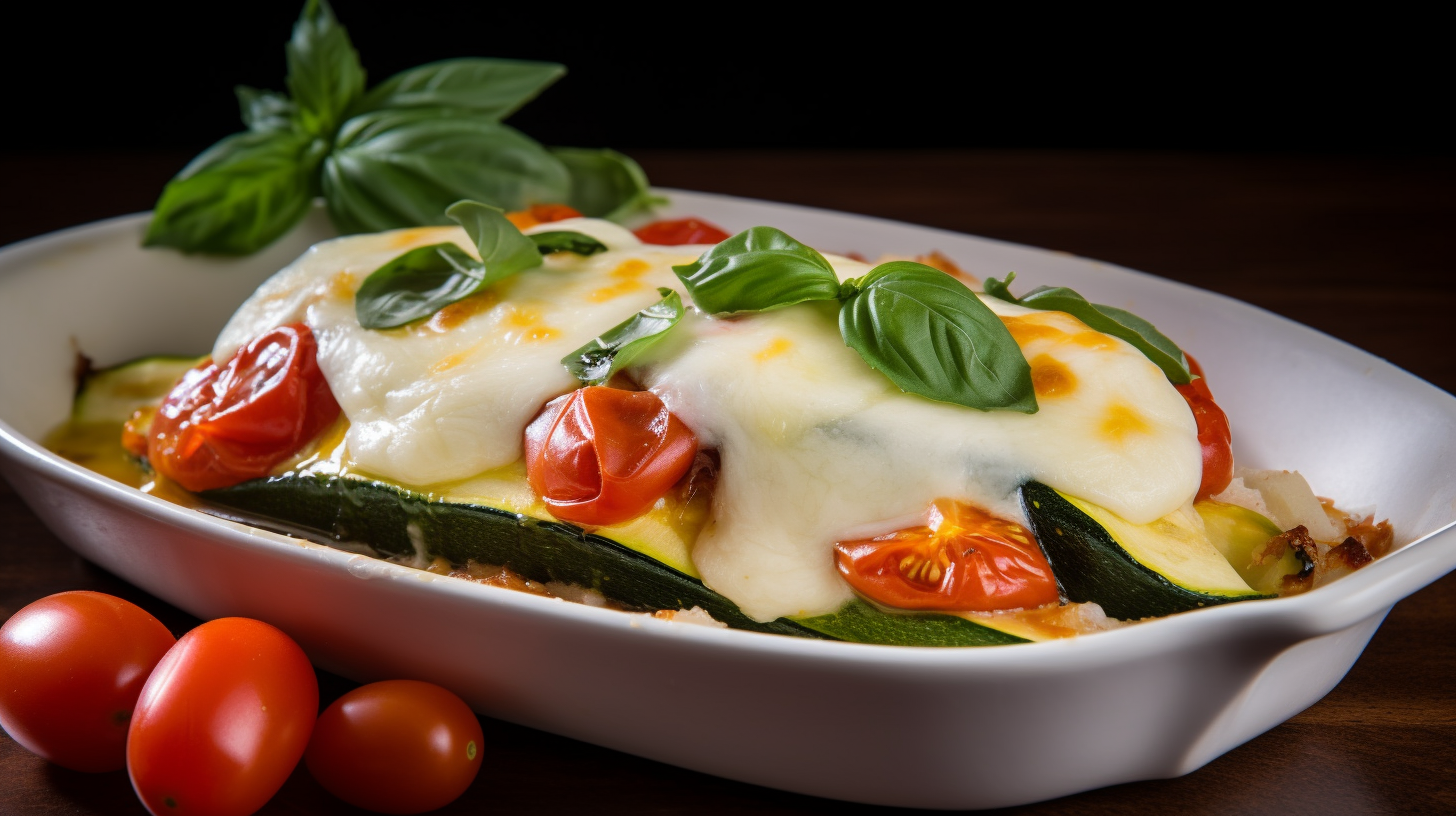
(400, 746)
(225, 424)
(1213, 434)
(71, 667)
(965, 560)
(541, 214)
(222, 721)
(602, 455)
(680, 232)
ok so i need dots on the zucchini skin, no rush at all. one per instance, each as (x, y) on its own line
(382, 515)
(860, 622)
(1092, 568)
(386, 517)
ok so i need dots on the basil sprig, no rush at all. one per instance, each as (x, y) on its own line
(756, 270)
(932, 336)
(1117, 322)
(395, 168)
(596, 362)
(920, 327)
(606, 184)
(425, 280)
(324, 74)
(567, 241)
(393, 156)
(240, 195)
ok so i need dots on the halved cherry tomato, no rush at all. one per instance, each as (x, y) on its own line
(71, 667)
(541, 214)
(222, 721)
(680, 232)
(965, 560)
(603, 455)
(1213, 434)
(225, 424)
(400, 746)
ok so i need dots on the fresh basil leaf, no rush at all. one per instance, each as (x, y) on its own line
(425, 280)
(417, 284)
(494, 88)
(563, 241)
(606, 184)
(1111, 320)
(932, 336)
(238, 196)
(324, 74)
(504, 251)
(756, 270)
(596, 362)
(394, 169)
(264, 111)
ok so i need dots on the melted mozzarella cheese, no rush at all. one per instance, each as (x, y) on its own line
(815, 446)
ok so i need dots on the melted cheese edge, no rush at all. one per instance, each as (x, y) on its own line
(816, 447)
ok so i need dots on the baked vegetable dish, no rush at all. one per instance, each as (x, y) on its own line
(730, 430)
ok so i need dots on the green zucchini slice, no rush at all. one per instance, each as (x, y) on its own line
(404, 524)
(114, 394)
(1132, 571)
(1241, 534)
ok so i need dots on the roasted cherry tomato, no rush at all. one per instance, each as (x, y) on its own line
(1213, 434)
(965, 560)
(71, 667)
(541, 214)
(680, 232)
(602, 455)
(400, 746)
(225, 424)
(222, 721)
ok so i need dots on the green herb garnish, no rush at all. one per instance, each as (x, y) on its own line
(1119, 323)
(932, 336)
(920, 327)
(388, 157)
(596, 362)
(425, 280)
(756, 270)
(566, 241)
(606, 184)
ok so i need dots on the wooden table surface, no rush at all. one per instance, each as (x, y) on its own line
(1359, 248)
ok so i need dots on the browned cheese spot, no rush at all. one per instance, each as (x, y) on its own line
(776, 347)
(1120, 422)
(1030, 328)
(457, 313)
(1050, 378)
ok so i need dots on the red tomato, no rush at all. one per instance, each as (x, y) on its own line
(541, 214)
(222, 721)
(72, 666)
(401, 746)
(966, 560)
(602, 455)
(677, 233)
(226, 424)
(1213, 434)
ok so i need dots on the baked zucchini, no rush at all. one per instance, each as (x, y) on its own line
(114, 394)
(1242, 535)
(410, 526)
(1132, 571)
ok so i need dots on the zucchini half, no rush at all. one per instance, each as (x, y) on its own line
(404, 524)
(1132, 571)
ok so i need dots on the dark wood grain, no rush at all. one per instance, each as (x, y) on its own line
(1357, 247)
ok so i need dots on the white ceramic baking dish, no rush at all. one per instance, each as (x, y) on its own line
(942, 728)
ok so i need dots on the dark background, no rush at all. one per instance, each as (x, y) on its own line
(157, 76)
